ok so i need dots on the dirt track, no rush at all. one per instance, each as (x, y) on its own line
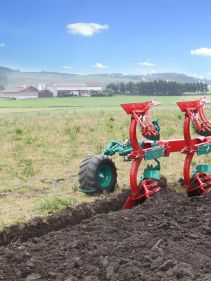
(166, 238)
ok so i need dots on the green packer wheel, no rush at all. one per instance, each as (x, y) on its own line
(97, 174)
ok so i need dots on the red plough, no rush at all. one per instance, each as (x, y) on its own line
(152, 148)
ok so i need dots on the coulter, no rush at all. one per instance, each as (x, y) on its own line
(98, 172)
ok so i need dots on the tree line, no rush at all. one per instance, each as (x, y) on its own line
(161, 88)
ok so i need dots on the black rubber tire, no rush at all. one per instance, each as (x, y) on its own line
(88, 174)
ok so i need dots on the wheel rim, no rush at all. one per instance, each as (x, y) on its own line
(104, 176)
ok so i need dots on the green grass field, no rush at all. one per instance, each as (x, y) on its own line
(43, 142)
(87, 103)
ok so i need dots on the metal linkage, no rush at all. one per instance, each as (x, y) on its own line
(199, 182)
(194, 112)
(140, 115)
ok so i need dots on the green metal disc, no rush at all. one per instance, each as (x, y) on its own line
(202, 168)
(104, 176)
(155, 153)
(204, 149)
(150, 173)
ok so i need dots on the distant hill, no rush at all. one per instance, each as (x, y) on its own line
(11, 77)
(169, 76)
(177, 77)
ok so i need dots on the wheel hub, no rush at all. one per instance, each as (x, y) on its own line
(104, 176)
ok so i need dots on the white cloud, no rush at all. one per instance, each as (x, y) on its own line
(147, 63)
(205, 52)
(65, 66)
(86, 29)
(99, 65)
(2, 45)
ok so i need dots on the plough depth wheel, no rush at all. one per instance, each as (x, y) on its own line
(97, 174)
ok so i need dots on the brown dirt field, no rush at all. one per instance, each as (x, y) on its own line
(166, 238)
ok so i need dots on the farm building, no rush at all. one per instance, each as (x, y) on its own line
(68, 89)
(23, 92)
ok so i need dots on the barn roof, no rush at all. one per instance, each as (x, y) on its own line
(77, 84)
(19, 89)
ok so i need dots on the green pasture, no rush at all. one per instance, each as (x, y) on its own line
(87, 103)
(43, 142)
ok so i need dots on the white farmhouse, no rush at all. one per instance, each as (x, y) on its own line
(68, 89)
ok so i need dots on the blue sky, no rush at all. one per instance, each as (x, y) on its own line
(98, 36)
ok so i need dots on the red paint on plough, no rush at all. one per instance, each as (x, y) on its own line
(195, 184)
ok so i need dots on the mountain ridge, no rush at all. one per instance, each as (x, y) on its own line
(12, 77)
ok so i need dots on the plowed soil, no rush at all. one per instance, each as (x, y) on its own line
(166, 238)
